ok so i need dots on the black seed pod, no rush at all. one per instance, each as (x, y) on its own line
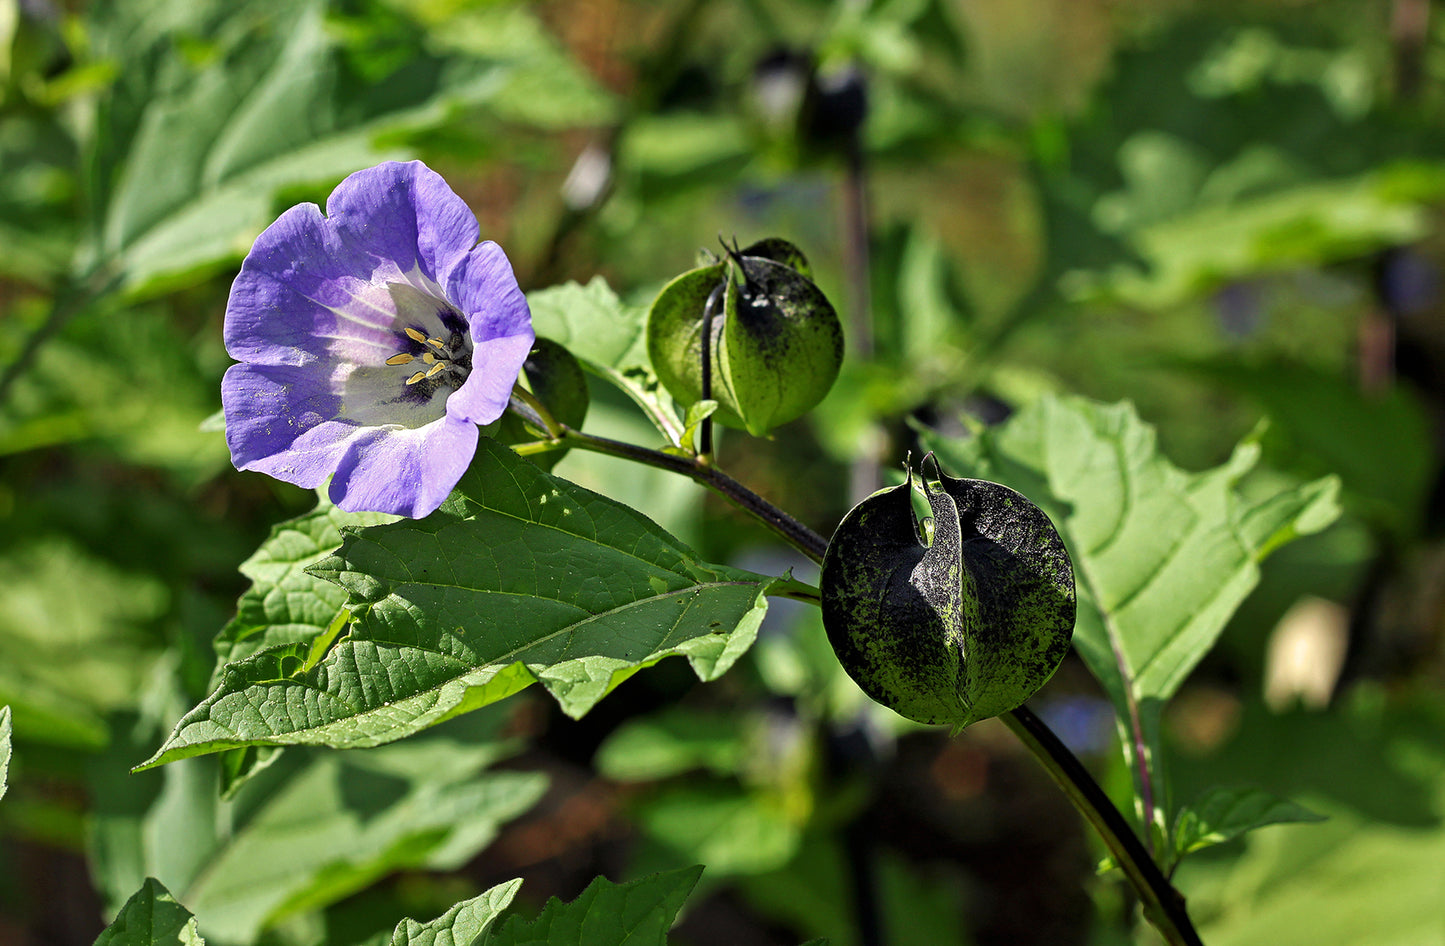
(953, 623)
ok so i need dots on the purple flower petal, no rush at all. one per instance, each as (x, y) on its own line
(406, 472)
(372, 340)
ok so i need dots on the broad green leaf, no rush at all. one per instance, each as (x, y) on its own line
(1378, 443)
(219, 106)
(151, 918)
(544, 87)
(37, 181)
(146, 386)
(308, 831)
(285, 605)
(1313, 222)
(1162, 557)
(1226, 813)
(1370, 874)
(519, 577)
(638, 913)
(4, 747)
(609, 338)
(462, 925)
(592, 323)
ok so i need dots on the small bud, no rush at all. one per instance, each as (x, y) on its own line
(957, 623)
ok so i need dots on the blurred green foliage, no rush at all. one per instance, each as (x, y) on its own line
(1227, 213)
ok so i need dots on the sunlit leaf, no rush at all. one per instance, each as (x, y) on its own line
(670, 743)
(609, 338)
(638, 913)
(462, 925)
(1226, 813)
(217, 107)
(519, 577)
(284, 604)
(309, 830)
(74, 632)
(151, 918)
(1370, 874)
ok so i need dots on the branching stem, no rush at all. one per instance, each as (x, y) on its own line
(1163, 905)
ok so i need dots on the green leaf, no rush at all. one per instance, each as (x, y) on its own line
(610, 339)
(638, 913)
(1370, 874)
(691, 424)
(311, 829)
(1226, 813)
(285, 605)
(1163, 557)
(151, 918)
(1378, 443)
(545, 87)
(197, 137)
(4, 747)
(519, 577)
(462, 925)
(1313, 222)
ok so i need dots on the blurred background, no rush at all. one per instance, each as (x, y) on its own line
(1229, 213)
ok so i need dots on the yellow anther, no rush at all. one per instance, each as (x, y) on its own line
(428, 357)
(414, 335)
(438, 343)
(418, 376)
(435, 369)
(401, 359)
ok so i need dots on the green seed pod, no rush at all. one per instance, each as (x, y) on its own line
(555, 377)
(953, 623)
(751, 332)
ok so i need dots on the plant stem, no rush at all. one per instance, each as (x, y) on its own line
(783, 525)
(1163, 905)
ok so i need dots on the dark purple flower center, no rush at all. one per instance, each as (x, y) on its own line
(428, 362)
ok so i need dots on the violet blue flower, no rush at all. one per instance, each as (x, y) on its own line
(373, 341)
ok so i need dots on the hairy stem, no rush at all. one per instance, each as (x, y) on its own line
(1163, 905)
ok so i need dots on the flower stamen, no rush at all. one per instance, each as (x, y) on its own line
(401, 358)
(416, 377)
